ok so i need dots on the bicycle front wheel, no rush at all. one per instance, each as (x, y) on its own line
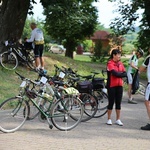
(9, 60)
(12, 115)
(90, 106)
(66, 114)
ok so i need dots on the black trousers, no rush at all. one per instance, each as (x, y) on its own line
(115, 96)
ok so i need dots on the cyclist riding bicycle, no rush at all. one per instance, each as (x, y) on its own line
(131, 70)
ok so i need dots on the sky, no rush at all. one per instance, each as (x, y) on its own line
(105, 11)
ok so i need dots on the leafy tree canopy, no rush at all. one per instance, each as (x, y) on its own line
(129, 14)
(70, 20)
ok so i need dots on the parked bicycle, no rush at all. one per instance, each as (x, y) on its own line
(141, 89)
(63, 113)
(16, 53)
(99, 91)
(92, 87)
(61, 79)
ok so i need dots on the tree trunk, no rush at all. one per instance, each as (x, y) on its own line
(70, 48)
(13, 14)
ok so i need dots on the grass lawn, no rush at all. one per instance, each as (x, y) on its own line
(9, 81)
(85, 58)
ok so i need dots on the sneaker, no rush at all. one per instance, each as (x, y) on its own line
(118, 122)
(132, 102)
(147, 127)
(109, 122)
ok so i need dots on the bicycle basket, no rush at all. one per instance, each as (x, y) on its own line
(84, 87)
(98, 83)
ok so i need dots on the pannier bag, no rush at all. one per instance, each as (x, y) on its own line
(84, 86)
(98, 83)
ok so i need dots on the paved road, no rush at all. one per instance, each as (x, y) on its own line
(91, 135)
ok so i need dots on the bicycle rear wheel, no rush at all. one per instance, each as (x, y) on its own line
(9, 60)
(102, 100)
(12, 115)
(31, 60)
(66, 114)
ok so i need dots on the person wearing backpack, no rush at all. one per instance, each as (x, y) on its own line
(131, 70)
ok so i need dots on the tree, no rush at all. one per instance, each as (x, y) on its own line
(70, 21)
(13, 15)
(129, 14)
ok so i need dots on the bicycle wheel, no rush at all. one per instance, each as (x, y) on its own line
(102, 103)
(63, 112)
(12, 115)
(141, 89)
(9, 60)
(31, 60)
(90, 106)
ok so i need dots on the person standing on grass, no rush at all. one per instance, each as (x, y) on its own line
(38, 40)
(146, 67)
(115, 72)
(132, 68)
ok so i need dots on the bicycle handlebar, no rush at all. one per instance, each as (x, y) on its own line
(103, 71)
(23, 78)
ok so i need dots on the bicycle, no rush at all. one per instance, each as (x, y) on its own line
(141, 89)
(97, 92)
(64, 114)
(63, 77)
(16, 54)
(100, 91)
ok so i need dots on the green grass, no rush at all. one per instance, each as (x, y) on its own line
(84, 58)
(9, 81)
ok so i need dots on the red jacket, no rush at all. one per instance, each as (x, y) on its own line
(115, 72)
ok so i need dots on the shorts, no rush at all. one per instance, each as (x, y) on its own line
(130, 78)
(38, 50)
(147, 92)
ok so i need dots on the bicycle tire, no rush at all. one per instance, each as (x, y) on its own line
(31, 60)
(90, 106)
(12, 116)
(141, 89)
(102, 104)
(63, 112)
(9, 60)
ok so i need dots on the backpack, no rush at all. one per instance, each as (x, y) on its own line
(135, 84)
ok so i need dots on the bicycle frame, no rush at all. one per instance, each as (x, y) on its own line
(51, 102)
(19, 53)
